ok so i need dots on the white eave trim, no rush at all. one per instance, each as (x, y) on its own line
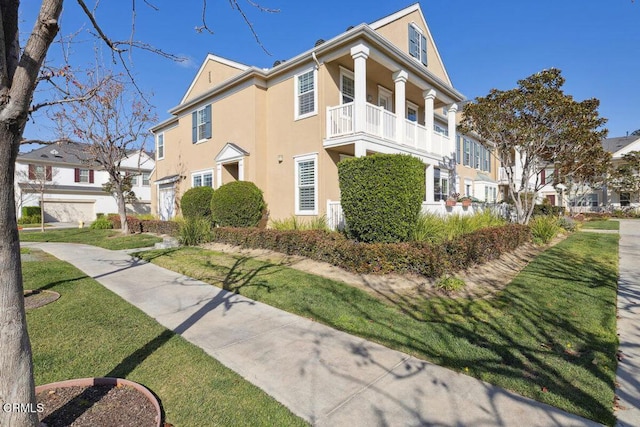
(212, 57)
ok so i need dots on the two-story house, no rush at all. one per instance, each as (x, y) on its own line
(376, 88)
(72, 186)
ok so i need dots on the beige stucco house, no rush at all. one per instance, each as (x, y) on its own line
(376, 88)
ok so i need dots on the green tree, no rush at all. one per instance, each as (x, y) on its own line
(537, 126)
(626, 175)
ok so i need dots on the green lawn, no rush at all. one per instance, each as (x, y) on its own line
(108, 239)
(91, 332)
(602, 225)
(550, 335)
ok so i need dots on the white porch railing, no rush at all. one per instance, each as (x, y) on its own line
(383, 124)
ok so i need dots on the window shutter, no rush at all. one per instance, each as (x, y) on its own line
(48, 173)
(194, 127)
(90, 176)
(413, 49)
(76, 177)
(543, 176)
(207, 118)
(423, 46)
(32, 172)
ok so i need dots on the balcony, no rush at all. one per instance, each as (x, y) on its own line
(384, 125)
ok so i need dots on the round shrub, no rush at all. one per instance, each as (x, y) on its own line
(196, 203)
(237, 204)
(381, 196)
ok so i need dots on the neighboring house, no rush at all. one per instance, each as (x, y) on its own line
(376, 88)
(476, 170)
(72, 186)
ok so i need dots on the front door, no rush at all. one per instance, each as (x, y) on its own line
(552, 199)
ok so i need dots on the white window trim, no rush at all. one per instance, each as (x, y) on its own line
(201, 173)
(414, 107)
(158, 137)
(296, 160)
(419, 31)
(201, 140)
(345, 73)
(296, 97)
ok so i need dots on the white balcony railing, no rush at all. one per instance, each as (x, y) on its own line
(383, 124)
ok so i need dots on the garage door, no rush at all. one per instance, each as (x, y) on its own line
(68, 211)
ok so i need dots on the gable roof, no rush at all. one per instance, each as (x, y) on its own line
(404, 12)
(212, 57)
(622, 143)
(71, 153)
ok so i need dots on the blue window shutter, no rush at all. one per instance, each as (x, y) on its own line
(194, 127)
(423, 45)
(207, 118)
(413, 48)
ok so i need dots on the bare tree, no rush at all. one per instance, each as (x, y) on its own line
(114, 125)
(20, 72)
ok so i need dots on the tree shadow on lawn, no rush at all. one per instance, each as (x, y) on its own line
(513, 335)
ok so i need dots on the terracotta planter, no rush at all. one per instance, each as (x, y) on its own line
(466, 203)
(87, 382)
(450, 203)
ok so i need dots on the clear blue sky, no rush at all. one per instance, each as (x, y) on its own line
(484, 44)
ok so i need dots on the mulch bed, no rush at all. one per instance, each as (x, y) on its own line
(38, 298)
(96, 405)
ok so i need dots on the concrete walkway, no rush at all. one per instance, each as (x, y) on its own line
(628, 373)
(327, 377)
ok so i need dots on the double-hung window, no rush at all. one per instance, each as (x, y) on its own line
(160, 146)
(201, 124)
(412, 112)
(467, 152)
(145, 179)
(440, 186)
(83, 175)
(202, 179)
(417, 44)
(305, 94)
(347, 86)
(306, 180)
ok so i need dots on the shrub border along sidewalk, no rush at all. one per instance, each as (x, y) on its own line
(420, 258)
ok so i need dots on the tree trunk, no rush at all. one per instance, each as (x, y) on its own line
(16, 365)
(42, 211)
(122, 210)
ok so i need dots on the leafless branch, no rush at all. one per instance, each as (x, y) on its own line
(204, 25)
(235, 5)
(43, 142)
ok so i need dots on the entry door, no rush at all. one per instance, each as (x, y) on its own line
(384, 99)
(166, 202)
(552, 199)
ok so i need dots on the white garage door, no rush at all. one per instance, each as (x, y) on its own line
(68, 211)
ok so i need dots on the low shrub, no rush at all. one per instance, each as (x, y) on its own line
(544, 228)
(196, 202)
(30, 211)
(194, 231)
(567, 223)
(237, 204)
(146, 226)
(420, 258)
(101, 223)
(30, 219)
(600, 216)
(435, 228)
(547, 209)
(449, 284)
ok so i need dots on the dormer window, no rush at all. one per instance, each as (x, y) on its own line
(417, 44)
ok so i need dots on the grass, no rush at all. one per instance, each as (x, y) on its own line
(602, 225)
(92, 332)
(108, 239)
(550, 335)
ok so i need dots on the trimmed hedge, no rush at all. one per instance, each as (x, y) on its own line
(547, 209)
(420, 258)
(31, 211)
(237, 204)
(146, 226)
(381, 196)
(196, 203)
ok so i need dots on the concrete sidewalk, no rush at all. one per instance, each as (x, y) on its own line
(324, 376)
(628, 373)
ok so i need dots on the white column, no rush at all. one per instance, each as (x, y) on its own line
(400, 78)
(360, 53)
(241, 170)
(359, 149)
(429, 97)
(218, 175)
(429, 174)
(451, 121)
